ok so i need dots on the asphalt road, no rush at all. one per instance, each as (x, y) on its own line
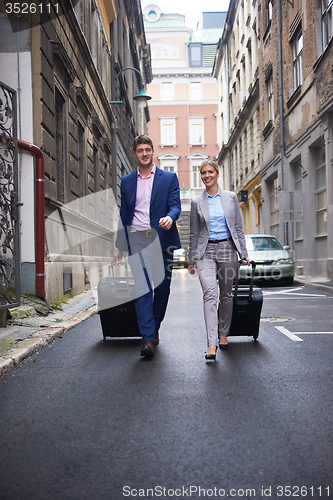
(90, 420)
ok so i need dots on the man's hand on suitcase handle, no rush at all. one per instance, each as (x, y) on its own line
(117, 256)
(165, 222)
(191, 269)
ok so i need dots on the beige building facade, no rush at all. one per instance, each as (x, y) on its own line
(237, 73)
(65, 70)
(183, 109)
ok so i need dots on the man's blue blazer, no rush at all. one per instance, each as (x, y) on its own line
(165, 200)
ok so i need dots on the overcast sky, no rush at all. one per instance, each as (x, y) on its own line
(193, 9)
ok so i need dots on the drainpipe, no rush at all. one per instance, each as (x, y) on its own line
(280, 84)
(39, 215)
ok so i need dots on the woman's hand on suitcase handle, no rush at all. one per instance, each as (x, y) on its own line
(247, 261)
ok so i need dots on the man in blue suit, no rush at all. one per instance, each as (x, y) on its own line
(150, 206)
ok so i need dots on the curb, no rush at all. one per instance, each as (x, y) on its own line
(36, 341)
(315, 286)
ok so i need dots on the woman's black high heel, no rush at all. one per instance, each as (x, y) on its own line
(223, 346)
(211, 356)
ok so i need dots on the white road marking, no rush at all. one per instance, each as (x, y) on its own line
(286, 332)
(314, 333)
(292, 298)
(294, 335)
(285, 292)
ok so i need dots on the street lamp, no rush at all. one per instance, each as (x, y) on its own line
(142, 97)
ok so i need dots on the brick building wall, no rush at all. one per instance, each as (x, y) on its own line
(296, 171)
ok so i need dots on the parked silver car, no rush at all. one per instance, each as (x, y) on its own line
(180, 257)
(274, 262)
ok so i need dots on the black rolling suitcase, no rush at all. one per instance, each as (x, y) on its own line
(116, 305)
(247, 305)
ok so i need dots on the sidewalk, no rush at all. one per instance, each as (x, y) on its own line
(317, 283)
(31, 330)
(34, 325)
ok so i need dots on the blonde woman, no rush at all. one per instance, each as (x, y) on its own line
(216, 237)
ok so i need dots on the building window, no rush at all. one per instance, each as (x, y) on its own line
(167, 91)
(166, 166)
(297, 45)
(219, 129)
(268, 14)
(152, 14)
(169, 163)
(196, 127)
(239, 89)
(327, 22)
(81, 164)
(321, 194)
(297, 169)
(67, 280)
(96, 169)
(195, 91)
(231, 108)
(168, 131)
(196, 176)
(60, 157)
(251, 152)
(269, 11)
(270, 98)
(274, 206)
(195, 54)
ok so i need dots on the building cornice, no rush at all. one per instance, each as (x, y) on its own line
(182, 103)
(109, 10)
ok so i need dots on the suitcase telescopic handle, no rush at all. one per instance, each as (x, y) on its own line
(119, 263)
(124, 263)
(253, 264)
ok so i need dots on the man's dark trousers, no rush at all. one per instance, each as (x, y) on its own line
(155, 269)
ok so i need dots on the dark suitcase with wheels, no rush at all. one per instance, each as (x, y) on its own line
(116, 306)
(247, 305)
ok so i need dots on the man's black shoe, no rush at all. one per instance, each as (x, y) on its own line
(148, 349)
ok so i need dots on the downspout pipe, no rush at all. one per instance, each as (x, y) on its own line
(228, 112)
(39, 215)
(280, 86)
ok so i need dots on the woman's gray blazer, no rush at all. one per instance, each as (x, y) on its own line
(199, 224)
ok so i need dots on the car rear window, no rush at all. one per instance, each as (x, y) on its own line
(263, 243)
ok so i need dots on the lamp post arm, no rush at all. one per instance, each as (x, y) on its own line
(141, 80)
(134, 70)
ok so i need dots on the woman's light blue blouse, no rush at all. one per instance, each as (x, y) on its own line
(218, 225)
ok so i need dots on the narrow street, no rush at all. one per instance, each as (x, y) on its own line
(90, 420)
